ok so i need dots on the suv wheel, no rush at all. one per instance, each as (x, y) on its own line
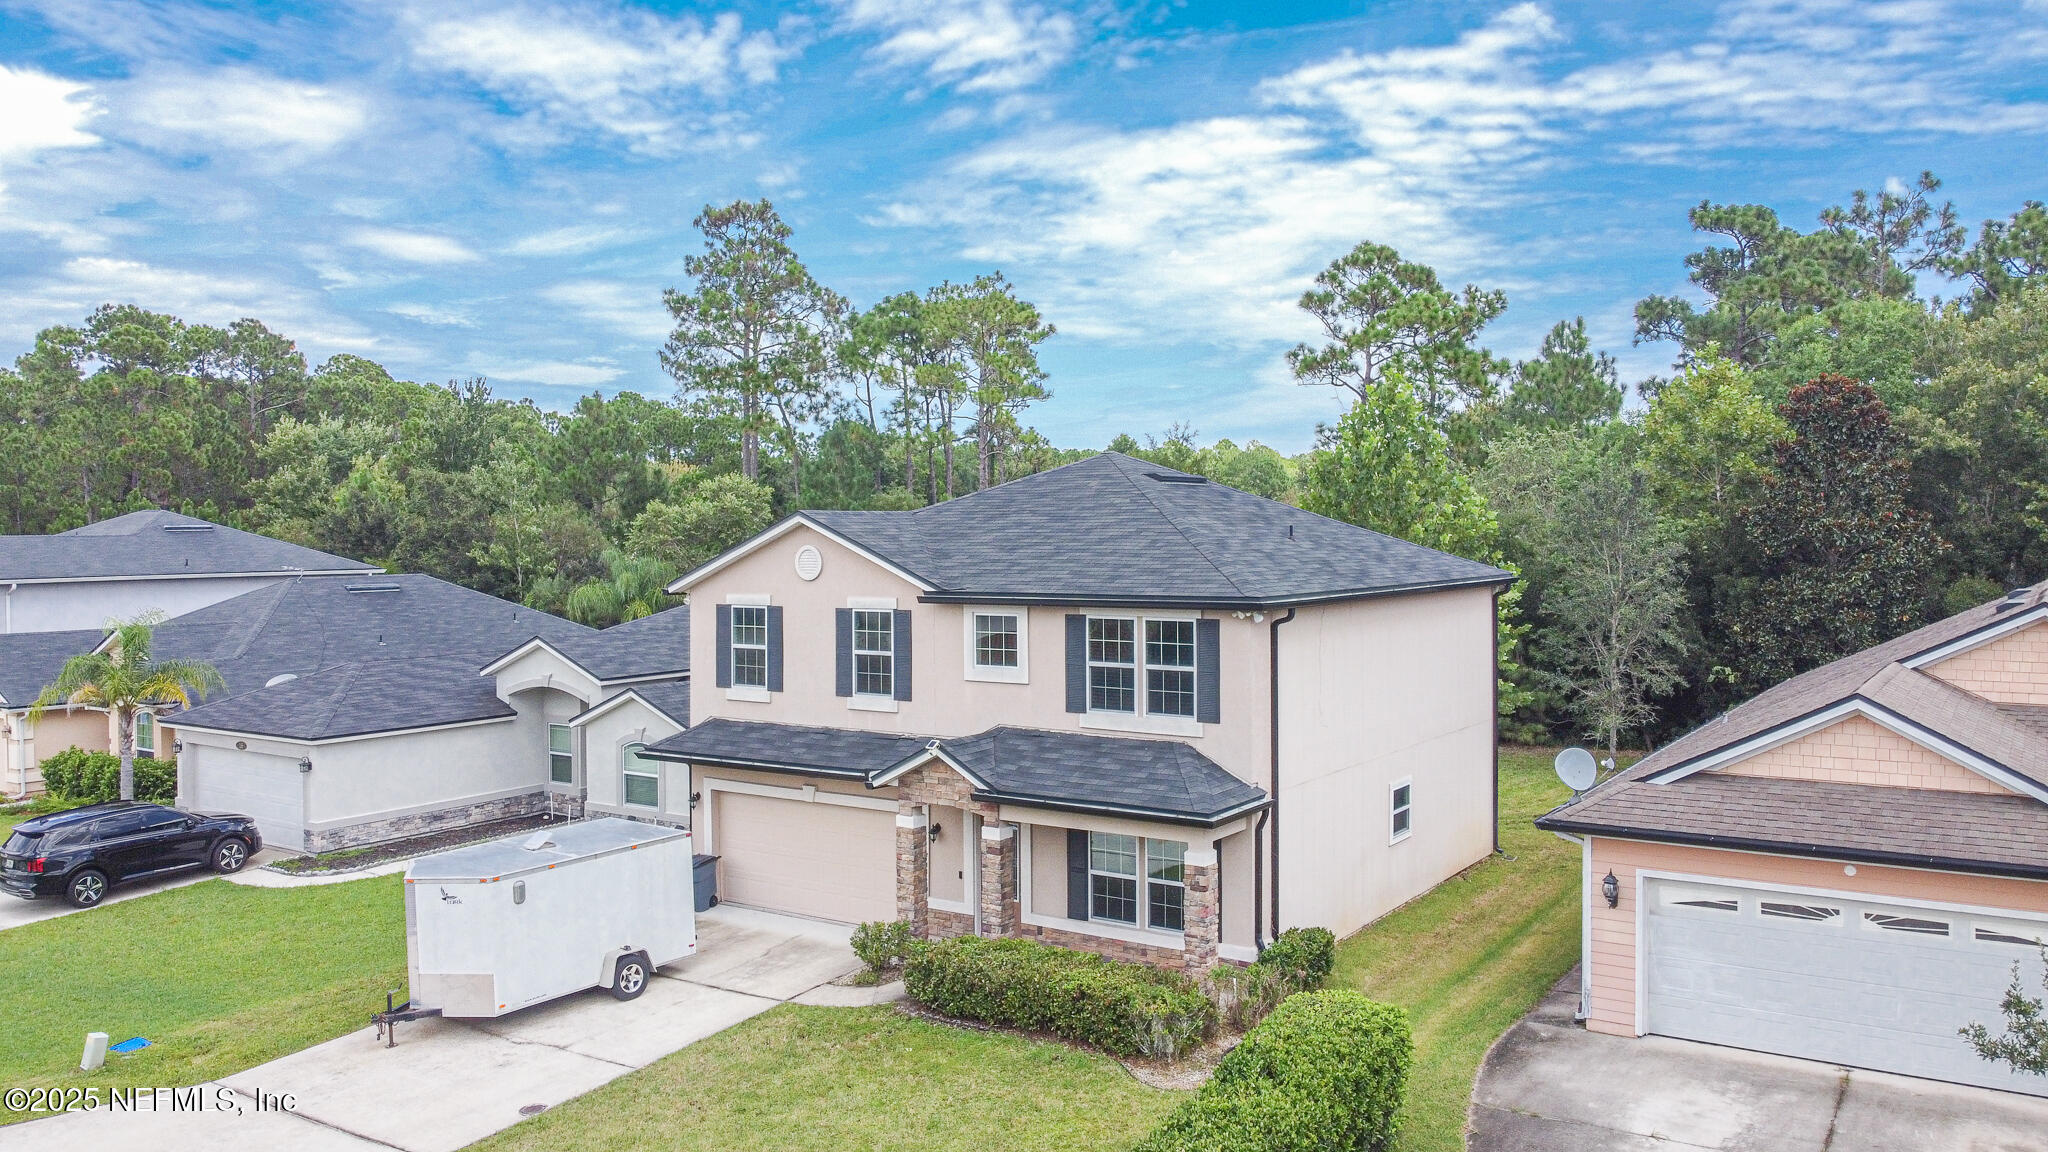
(229, 855)
(629, 979)
(85, 889)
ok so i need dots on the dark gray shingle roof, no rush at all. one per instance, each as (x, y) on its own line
(650, 646)
(1161, 779)
(30, 660)
(788, 747)
(302, 626)
(157, 543)
(358, 699)
(671, 698)
(1115, 529)
(1961, 831)
(1071, 770)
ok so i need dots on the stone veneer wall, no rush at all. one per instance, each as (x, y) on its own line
(421, 823)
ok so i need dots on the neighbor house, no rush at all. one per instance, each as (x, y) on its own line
(29, 662)
(1845, 868)
(151, 561)
(356, 711)
(1112, 706)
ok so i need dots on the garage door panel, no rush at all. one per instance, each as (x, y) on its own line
(269, 789)
(817, 859)
(1836, 988)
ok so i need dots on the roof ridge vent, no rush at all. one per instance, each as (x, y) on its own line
(2014, 599)
(186, 527)
(362, 588)
(1177, 478)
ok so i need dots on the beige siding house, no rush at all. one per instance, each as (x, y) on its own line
(1845, 868)
(1112, 706)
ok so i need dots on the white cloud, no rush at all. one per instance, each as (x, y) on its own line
(971, 45)
(435, 314)
(570, 241)
(633, 309)
(246, 109)
(654, 81)
(42, 111)
(412, 247)
(561, 373)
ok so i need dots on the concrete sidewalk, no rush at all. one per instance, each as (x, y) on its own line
(1551, 1086)
(449, 1083)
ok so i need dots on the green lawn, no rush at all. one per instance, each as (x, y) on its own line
(852, 1079)
(218, 976)
(1471, 957)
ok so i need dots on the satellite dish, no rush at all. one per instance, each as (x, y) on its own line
(280, 678)
(1575, 766)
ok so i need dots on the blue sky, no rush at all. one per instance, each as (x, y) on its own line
(504, 189)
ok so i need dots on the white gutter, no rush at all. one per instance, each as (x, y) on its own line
(1585, 924)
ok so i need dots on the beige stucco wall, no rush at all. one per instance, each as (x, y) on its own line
(601, 760)
(1613, 1008)
(27, 744)
(944, 701)
(1373, 692)
(1855, 750)
(2012, 669)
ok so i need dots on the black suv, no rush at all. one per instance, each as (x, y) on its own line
(78, 853)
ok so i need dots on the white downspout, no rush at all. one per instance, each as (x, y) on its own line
(10, 605)
(1585, 844)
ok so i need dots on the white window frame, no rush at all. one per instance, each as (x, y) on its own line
(626, 758)
(570, 755)
(1141, 718)
(1396, 810)
(736, 648)
(888, 633)
(145, 721)
(996, 674)
(1142, 883)
(1152, 881)
(1099, 929)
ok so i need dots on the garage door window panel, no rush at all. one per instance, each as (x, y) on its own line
(2001, 935)
(1917, 925)
(1811, 913)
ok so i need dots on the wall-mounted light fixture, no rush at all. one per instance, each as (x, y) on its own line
(694, 797)
(305, 763)
(932, 833)
(1611, 888)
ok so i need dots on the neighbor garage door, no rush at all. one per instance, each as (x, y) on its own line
(1856, 982)
(814, 858)
(269, 788)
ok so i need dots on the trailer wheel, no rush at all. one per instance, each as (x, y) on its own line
(629, 979)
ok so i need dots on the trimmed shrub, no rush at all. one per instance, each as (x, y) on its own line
(1306, 954)
(1122, 1008)
(882, 944)
(95, 777)
(1327, 1070)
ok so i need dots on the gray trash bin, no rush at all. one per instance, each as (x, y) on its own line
(704, 876)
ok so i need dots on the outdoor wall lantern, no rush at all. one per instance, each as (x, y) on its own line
(1611, 888)
(305, 763)
(936, 828)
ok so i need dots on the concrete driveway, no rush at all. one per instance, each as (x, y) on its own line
(1552, 1086)
(449, 1083)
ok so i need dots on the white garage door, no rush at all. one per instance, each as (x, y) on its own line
(269, 788)
(817, 859)
(1854, 982)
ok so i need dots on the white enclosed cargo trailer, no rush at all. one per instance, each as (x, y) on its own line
(496, 927)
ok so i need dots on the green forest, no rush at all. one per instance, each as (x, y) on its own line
(1852, 441)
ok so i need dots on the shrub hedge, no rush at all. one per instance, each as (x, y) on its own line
(1298, 960)
(882, 944)
(1122, 1008)
(1306, 954)
(1326, 1071)
(95, 777)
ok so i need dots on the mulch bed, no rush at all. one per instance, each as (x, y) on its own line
(357, 859)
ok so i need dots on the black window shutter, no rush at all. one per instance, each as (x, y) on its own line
(842, 633)
(724, 645)
(1077, 663)
(1077, 871)
(1208, 672)
(774, 648)
(901, 647)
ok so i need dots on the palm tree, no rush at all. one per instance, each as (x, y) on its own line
(121, 677)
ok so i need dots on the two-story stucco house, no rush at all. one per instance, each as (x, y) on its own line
(1112, 706)
(1846, 867)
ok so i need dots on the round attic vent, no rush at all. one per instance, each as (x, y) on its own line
(809, 563)
(280, 678)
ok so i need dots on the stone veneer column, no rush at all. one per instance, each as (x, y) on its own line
(1199, 918)
(998, 878)
(913, 867)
